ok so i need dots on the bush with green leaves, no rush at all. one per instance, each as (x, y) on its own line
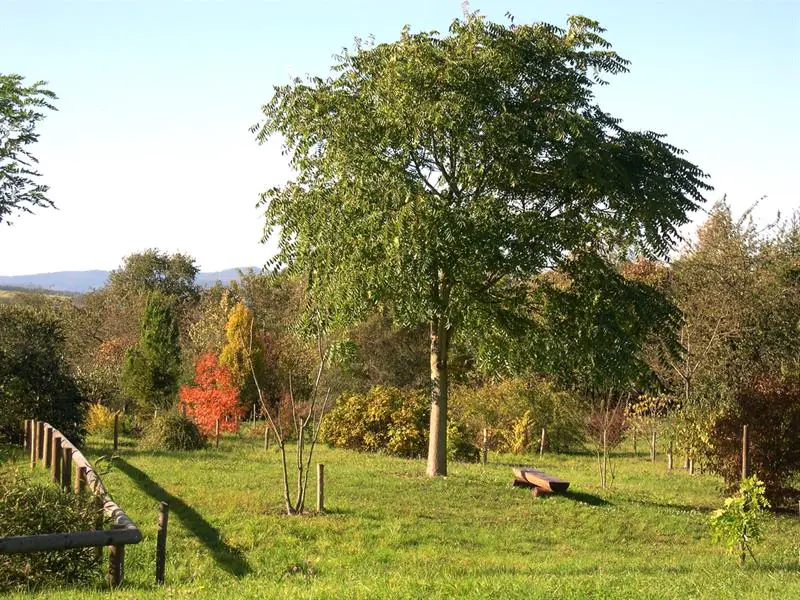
(172, 430)
(738, 525)
(515, 410)
(461, 445)
(28, 509)
(35, 379)
(385, 419)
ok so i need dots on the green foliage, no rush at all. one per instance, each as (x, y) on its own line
(435, 174)
(35, 380)
(21, 109)
(172, 430)
(461, 443)
(153, 366)
(152, 270)
(738, 525)
(28, 508)
(385, 419)
(515, 410)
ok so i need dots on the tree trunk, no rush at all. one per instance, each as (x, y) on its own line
(437, 445)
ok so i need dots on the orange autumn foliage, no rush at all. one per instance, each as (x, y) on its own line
(213, 396)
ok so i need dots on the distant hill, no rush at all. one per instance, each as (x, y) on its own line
(78, 282)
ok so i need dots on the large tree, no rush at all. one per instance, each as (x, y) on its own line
(171, 274)
(437, 173)
(21, 109)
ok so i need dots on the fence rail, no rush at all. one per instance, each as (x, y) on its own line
(54, 451)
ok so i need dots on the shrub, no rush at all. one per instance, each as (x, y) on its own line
(738, 524)
(515, 410)
(771, 409)
(99, 420)
(35, 381)
(461, 442)
(384, 419)
(28, 509)
(214, 396)
(171, 430)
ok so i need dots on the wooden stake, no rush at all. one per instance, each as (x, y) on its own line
(691, 466)
(30, 440)
(80, 480)
(40, 440)
(116, 431)
(216, 434)
(161, 541)
(48, 446)
(745, 452)
(485, 447)
(320, 487)
(55, 459)
(541, 444)
(266, 438)
(669, 457)
(66, 468)
(116, 564)
(653, 447)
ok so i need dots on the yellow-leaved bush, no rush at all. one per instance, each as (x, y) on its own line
(99, 420)
(385, 419)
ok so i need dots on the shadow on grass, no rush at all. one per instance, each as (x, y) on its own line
(585, 498)
(227, 557)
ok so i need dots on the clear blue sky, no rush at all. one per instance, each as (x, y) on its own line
(150, 147)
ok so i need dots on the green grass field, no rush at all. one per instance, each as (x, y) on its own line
(389, 532)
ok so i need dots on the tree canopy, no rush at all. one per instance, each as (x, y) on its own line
(143, 272)
(21, 109)
(437, 173)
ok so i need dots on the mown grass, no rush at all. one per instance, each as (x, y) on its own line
(389, 532)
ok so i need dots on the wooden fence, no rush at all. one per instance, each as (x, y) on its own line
(70, 469)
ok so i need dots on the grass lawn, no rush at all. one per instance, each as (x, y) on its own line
(389, 532)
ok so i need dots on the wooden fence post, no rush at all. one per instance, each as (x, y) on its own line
(485, 447)
(30, 440)
(48, 446)
(745, 452)
(691, 466)
(161, 541)
(541, 444)
(116, 564)
(216, 434)
(40, 440)
(266, 438)
(320, 487)
(66, 468)
(116, 431)
(653, 446)
(80, 480)
(669, 456)
(55, 459)
(98, 524)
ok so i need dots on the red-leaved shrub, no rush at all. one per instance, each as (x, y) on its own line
(213, 396)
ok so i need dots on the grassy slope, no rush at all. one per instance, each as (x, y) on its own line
(392, 533)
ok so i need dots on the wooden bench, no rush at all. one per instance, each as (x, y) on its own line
(539, 481)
